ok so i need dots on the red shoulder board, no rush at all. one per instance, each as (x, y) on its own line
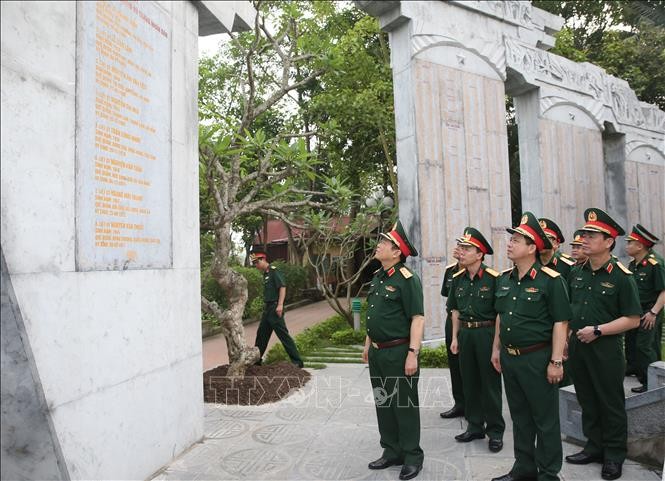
(533, 273)
(609, 268)
(391, 271)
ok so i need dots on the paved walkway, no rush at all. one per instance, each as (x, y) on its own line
(297, 320)
(327, 431)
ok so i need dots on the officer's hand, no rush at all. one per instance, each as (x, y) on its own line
(279, 310)
(554, 374)
(648, 321)
(496, 360)
(411, 364)
(454, 347)
(365, 354)
(586, 334)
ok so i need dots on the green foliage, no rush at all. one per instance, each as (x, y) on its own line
(211, 291)
(348, 337)
(433, 357)
(627, 39)
(295, 277)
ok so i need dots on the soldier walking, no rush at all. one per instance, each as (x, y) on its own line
(531, 329)
(395, 323)
(274, 293)
(605, 304)
(453, 359)
(471, 301)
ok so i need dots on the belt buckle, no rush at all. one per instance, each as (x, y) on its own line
(513, 351)
(375, 345)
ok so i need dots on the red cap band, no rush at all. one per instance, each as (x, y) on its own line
(608, 229)
(552, 234)
(402, 245)
(476, 243)
(540, 243)
(640, 239)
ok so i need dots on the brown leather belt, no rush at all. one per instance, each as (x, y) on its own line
(518, 351)
(393, 343)
(475, 325)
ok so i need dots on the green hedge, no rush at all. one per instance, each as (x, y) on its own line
(295, 278)
(348, 337)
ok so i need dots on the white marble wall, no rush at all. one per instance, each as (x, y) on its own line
(119, 353)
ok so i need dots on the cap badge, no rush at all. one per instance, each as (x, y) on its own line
(525, 219)
(543, 224)
(592, 216)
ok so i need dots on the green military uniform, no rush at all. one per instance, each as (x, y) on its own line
(562, 263)
(273, 280)
(529, 308)
(658, 328)
(599, 297)
(453, 359)
(649, 274)
(395, 297)
(473, 298)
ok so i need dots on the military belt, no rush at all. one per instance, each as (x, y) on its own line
(393, 343)
(518, 351)
(477, 324)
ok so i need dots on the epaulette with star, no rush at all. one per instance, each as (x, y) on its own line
(652, 260)
(491, 272)
(460, 272)
(567, 256)
(450, 266)
(405, 272)
(273, 267)
(566, 260)
(623, 268)
(550, 272)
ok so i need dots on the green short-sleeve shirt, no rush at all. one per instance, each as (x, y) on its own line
(649, 276)
(474, 298)
(601, 296)
(561, 265)
(272, 281)
(395, 296)
(448, 280)
(530, 306)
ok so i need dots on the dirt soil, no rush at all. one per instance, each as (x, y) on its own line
(261, 384)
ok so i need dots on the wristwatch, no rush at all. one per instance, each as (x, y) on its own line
(597, 332)
(556, 362)
(415, 351)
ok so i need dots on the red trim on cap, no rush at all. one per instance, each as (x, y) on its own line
(552, 233)
(646, 242)
(540, 243)
(402, 245)
(477, 243)
(259, 256)
(602, 226)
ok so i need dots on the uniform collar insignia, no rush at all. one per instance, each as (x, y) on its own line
(610, 267)
(479, 275)
(391, 271)
(533, 273)
(554, 260)
(644, 262)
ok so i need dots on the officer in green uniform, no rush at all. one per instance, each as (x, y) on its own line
(274, 293)
(395, 323)
(576, 252)
(554, 258)
(533, 307)
(471, 301)
(649, 275)
(605, 304)
(453, 359)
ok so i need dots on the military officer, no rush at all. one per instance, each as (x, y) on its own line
(533, 307)
(395, 323)
(554, 258)
(453, 359)
(274, 293)
(471, 301)
(576, 249)
(650, 278)
(605, 304)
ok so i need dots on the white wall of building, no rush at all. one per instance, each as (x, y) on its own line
(118, 352)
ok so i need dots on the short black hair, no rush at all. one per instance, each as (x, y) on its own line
(614, 242)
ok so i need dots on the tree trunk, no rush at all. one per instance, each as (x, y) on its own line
(234, 287)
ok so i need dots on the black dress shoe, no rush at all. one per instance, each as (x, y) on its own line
(583, 458)
(510, 477)
(495, 445)
(611, 470)
(409, 471)
(455, 412)
(466, 436)
(639, 389)
(383, 463)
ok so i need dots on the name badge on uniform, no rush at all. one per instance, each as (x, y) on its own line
(505, 288)
(609, 285)
(531, 290)
(390, 289)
